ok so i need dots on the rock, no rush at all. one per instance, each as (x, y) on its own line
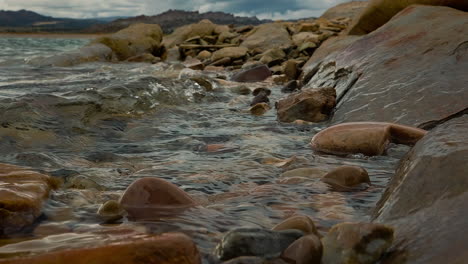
(255, 74)
(280, 79)
(426, 199)
(261, 96)
(259, 109)
(204, 55)
(90, 53)
(268, 36)
(173, 54)
(203, 82)
(181, 34)
(369, 138)
(221, 62)
(303, 37)
(312, 105)
(290, 87)
(229, 52)
(383, 75)
(194, 64)
(346, 177)
(306, 250)
(22, 194)
(135, 40)
(243, 90)
(146, 57)
(290, 69)
(168, 248)
(273, 57)
(255, 242)
(299, 222)
(378, 12)
(362, 243)
(110, 210)
(308, 27)
(151, 197)
(280, 163)
(82, 182)
(348, 10)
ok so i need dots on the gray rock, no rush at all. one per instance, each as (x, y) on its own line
(255, 242)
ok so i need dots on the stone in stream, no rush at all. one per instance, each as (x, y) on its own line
(111, 210)
(261, 96)
(22, 194)
(344, 178)
(107, 247)
(290, 87)
(299, 222)
(312, 105)
(148, 198)
(259, 109)
(356, 243)
(306, 250)
(255, 242)
(369, 138)
(254, 74)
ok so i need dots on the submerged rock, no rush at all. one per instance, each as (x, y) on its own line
(427, 199)
(259, 109)
(369, 138)
(255, 242)
(22, 194)
(346, 177)
(147, 198)
(312, 105)
(356, 243)
(110, 210)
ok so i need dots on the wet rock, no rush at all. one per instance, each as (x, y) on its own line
(310, 173)
(378, 12)
(135, 40)
(403, 57)
(82, 182)
(290, 69)
(299, 222)
(203, 82)
(168, 248)
(290, 87)
(346, 177)
(259, 109)
(255, 74)
(204, 55)
(151, 197)
(306, 250)
(369, 138)
(110, 211)
(243, 90)
(230, 52)
(146, 57)
(267, 36)
(261, 96)
(426, 199)
(362, 243)
(273, 57)
(255, 242)
(181, 34)
(312, 105)
(22, 193)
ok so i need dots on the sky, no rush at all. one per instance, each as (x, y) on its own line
(263, 9)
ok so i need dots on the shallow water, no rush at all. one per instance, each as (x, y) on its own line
(101, 126)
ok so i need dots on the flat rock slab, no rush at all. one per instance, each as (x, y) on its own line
(410, 71)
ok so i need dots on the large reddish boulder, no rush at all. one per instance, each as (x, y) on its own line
(22, 193)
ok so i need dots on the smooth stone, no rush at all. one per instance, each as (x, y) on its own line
(168, 248)
(204, 55)
(346, 177)
(261, 96)
(369, 138)
(255, 242)
(22, 194)
(299, 222)
(360, 243)
(306, 250)
(259, 109)
(242, 90)
(312, 105)
(290, 87)
(345, 10)
(148, 198)
(255, 74)
(378, 12)
(267, 36)
(304, 172)
(110, 210)
(229, 52)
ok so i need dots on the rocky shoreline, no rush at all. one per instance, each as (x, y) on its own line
(375, 79)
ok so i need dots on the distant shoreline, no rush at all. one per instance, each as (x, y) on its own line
(50, 35)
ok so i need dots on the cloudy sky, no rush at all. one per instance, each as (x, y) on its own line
(272, 9)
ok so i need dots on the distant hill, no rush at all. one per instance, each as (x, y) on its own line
(173, 19)
(28, 21)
